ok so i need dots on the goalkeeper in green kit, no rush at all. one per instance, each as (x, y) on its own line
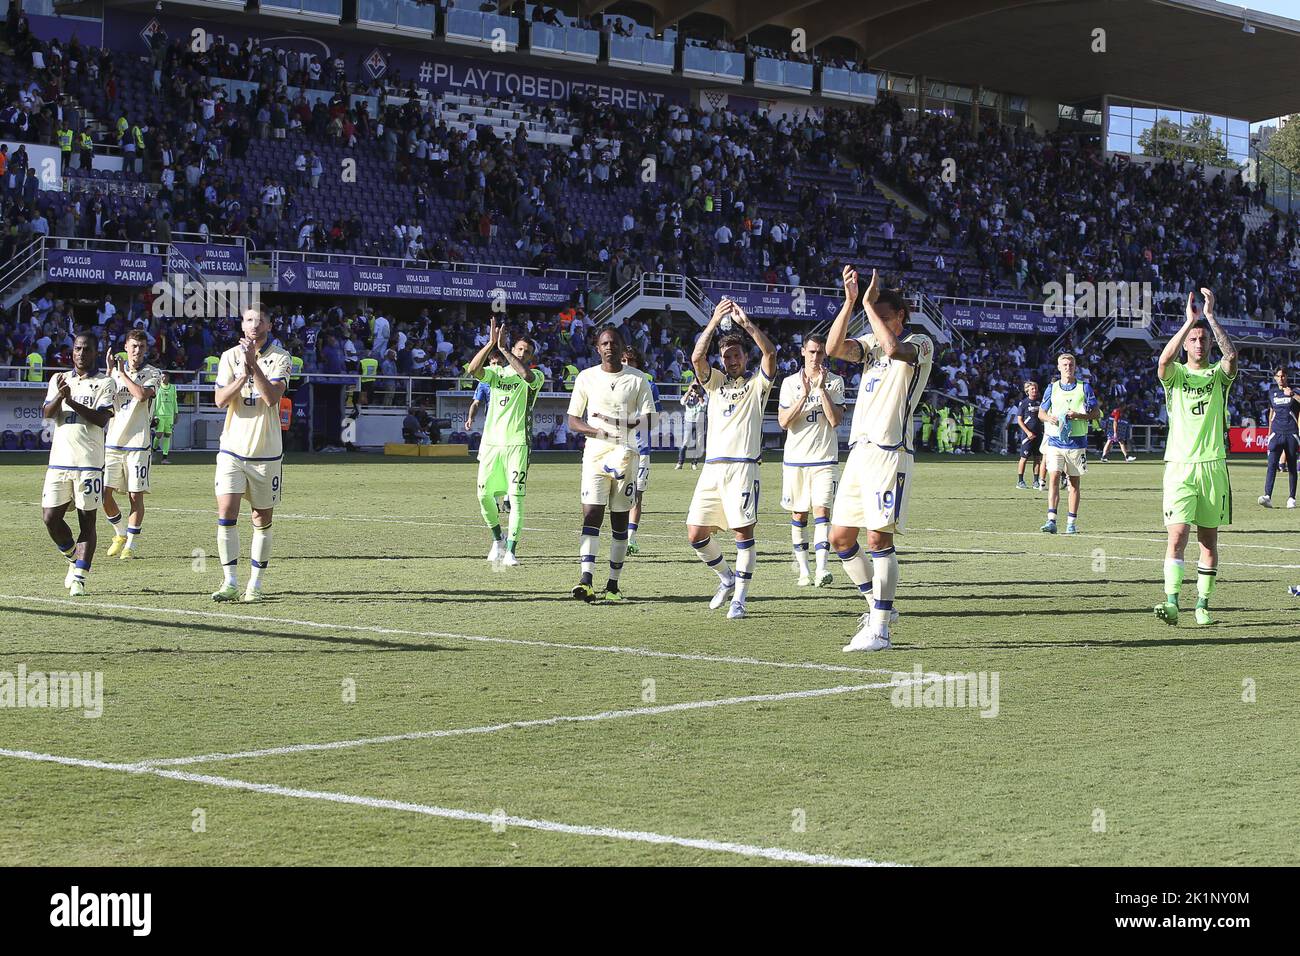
(1196, 487)
(164, 410)
(507, 435)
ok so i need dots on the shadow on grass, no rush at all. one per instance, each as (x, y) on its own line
(259, 628)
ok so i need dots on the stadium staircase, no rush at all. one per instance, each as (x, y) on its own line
(655, 292)
(22, 274)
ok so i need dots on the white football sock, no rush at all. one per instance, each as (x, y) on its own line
(261, 555)
(228, 549)
(132, 532)
(746, 556)
(617, 553)
(799, 541)
(711, 554)
(885, 565)
(587, 551)
(118, 521)
(856, 567)
(821, 541)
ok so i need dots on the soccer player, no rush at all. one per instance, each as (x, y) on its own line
(80, 405)
(1031, 427)
(726, 496)
(251, 379)
(609, 402)
(507, 435)
(694, 403)
(810, 408)
(1196, 486)
(874, 489)
(165, 406)
(127, 451)
(483, 393)
(1283, 438)
(1116, 434)
(1068, 405)
(632, 358)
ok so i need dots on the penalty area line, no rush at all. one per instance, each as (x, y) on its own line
(541, 722)
(16, 599)
(496, 819)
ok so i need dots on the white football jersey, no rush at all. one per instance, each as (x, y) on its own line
(76, 444)
(252, 430)
(736, 405)
(889, 392)
(130, 428)
(622, 398)
(810, 440)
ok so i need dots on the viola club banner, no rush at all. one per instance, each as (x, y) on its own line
(367, 62)
(109, 268)
(780, 305)
(398, 283)
(981, 319)
(212, 260)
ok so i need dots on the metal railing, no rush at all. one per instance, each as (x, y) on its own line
(18, 269)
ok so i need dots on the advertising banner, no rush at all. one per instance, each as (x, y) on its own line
(108, 268)
(399, 283)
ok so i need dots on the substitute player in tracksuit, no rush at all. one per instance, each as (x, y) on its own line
(1283, 437)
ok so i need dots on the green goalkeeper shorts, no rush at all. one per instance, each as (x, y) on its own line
(502, 470)
(1198, 493)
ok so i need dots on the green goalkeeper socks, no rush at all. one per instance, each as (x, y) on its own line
(1173, 579)
(1205, 578)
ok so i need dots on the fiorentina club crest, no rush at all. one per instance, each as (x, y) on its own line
(149, 29)
(375, 64)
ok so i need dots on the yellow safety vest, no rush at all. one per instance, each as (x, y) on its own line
(65, 140)
(369, 367)
(210, 365)
(570, 374)
(35, 367)
(139, 137)
(87, 143)
(122, 124)
(296, 366)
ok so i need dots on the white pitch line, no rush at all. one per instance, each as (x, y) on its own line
(494, 819)
(543, 722)
(444, 635)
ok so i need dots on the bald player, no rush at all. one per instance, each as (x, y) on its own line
(251, 380)
(611, 402)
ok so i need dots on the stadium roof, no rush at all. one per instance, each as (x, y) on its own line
(1192, 54)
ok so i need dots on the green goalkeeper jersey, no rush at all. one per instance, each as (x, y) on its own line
(510, 406)
(164, 405)
(1198, 410)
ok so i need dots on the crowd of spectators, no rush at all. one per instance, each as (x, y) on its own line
(1036, 207)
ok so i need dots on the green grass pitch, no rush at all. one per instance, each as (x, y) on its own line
(1117, 739)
